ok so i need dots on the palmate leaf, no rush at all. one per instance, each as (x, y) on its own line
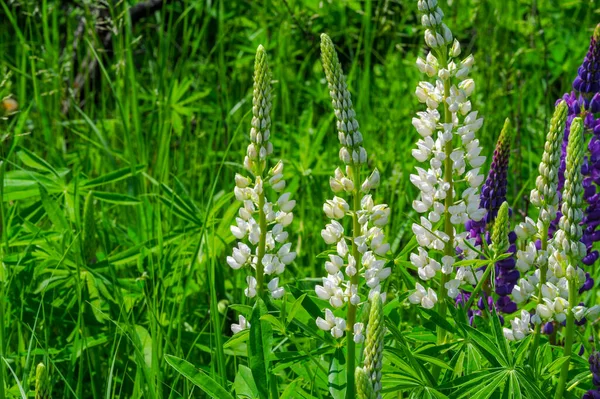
(485, 345)
(427, 393)
(475, 383)
(198, 378)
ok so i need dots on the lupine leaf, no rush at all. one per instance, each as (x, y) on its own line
(198, 378)
(485, 346)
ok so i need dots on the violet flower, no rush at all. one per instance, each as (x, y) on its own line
(493, 194)
(584, 102)
(595, 369)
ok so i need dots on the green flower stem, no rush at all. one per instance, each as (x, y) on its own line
(449, 201)
(351, 315)
(570, 329)
(480, 283)
(543, 272)
(262, 221)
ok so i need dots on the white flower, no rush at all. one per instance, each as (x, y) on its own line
(250, 291)
(452, 287)
(526, 258)
(285, 204)
(330, 290)
(358, 333)
(371, 182)
(526, 229)
(336, 208)
(342, 248)
(336, 325)
(279, 234)
(447, 264)
(519, 327)
(351, 268)
(241, 182)
(242, 325)
(285, 255)
(333, 232)
(276, 291)
(240, 256)
(427, 299)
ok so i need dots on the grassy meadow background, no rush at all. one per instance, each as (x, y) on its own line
(157, 131)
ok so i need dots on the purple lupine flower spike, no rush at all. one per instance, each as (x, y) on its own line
(493, 194)
(588, 74)
(584, 102)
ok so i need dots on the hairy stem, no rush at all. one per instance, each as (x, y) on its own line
(562, 382)
(448, 228)
(351, 317)
(262, 221)
(480, 283)
(543, 272)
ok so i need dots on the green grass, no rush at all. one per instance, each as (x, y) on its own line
(158, 137)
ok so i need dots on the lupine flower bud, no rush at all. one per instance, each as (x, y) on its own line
(572, 213)
(261, 111)
(501, 228)
(364, 388)
(350, 137)
(374, 344)
(545, 194)
(42, 382)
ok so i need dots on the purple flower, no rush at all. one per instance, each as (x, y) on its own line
(595, 369)
(493, 194)
(588, 74)
(591, 395)
(584, 101)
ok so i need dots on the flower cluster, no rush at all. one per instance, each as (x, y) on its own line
(260, 225)
(449, 185)
(584, 102)
(556, 281)
(361, 254)
(493, 194)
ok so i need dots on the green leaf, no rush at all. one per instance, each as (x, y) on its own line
(437, 319)
(111, 177)
(290, 390)
(259, 348)
(35, 162)
(337, 375)
(54, 212)
(114, 198)
(484, 345)
(294, 308)
(244, 384)
(274, 322)
(198, 378)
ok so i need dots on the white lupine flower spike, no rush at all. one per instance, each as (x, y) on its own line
(541, 261)
(355, 232)
(260, 228)
(450, 175)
